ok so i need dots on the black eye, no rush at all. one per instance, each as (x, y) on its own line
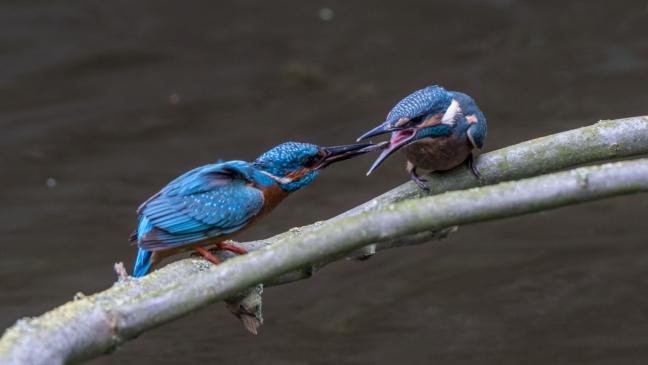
(310, 161)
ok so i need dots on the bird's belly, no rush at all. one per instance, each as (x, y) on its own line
(438, 154)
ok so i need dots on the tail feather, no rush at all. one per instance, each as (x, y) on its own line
(143, 263)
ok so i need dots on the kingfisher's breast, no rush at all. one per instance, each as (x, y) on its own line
(440, 153)
(272, 196)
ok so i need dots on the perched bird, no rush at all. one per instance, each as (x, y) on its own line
(435, 128)
(209, 204)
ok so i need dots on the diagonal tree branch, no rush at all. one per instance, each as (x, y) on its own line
(608, 139)
(90, 326)
(604, 140)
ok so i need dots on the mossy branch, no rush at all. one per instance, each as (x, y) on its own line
(605, 140)
(93, 325)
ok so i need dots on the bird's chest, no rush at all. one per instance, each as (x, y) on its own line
(272, 196)
(438, 154)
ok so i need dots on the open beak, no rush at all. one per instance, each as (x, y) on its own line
(399, 138)
(381, 129)
(344, 152)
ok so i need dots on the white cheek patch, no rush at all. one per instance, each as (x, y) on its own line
(451, 113)
(401, 122)
(280, 180)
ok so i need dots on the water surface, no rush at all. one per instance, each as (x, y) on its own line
(104, 102)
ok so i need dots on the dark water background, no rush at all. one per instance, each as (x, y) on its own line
(109, 100)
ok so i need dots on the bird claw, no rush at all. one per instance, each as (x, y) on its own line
(475, 172)
(419, 181)
(208, 253)
(470, 162)
(222, 246)
(231, 248)
(421, 184)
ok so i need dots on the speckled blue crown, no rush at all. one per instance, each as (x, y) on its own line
(286, 157)
(428, 101)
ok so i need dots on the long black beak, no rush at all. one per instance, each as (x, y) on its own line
(381, 129)
(345, 152)
(383, 156)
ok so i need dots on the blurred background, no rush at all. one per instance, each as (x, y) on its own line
(102, 103)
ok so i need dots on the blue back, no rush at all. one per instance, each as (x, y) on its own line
(208, 201)
(477, 131)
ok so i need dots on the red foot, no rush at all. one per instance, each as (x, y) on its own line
(207, 255)
(232, 248)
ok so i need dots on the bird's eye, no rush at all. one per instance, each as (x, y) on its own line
(310, 161)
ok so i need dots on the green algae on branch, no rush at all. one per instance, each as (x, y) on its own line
(96, 324)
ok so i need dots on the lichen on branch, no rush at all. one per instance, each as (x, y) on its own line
(93, 325)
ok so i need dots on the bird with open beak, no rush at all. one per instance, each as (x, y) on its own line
(209, 204)
(435, 128)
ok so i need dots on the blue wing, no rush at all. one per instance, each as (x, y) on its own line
(477, 131)
(208, 201)
(429, 101)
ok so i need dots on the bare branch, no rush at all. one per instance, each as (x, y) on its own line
(93, 325)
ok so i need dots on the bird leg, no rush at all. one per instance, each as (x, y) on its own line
(227, 247)
(208, 251)
(470, 162)
(420, 182)
(231, 248)
(207, 255)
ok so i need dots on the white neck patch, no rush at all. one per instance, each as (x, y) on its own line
(280, 180)
(451, 113)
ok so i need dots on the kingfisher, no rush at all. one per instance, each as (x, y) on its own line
(436, 129)
(202, 208)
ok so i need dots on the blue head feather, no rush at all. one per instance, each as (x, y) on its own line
(287, 158)
(418, 107)
(421, 104)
